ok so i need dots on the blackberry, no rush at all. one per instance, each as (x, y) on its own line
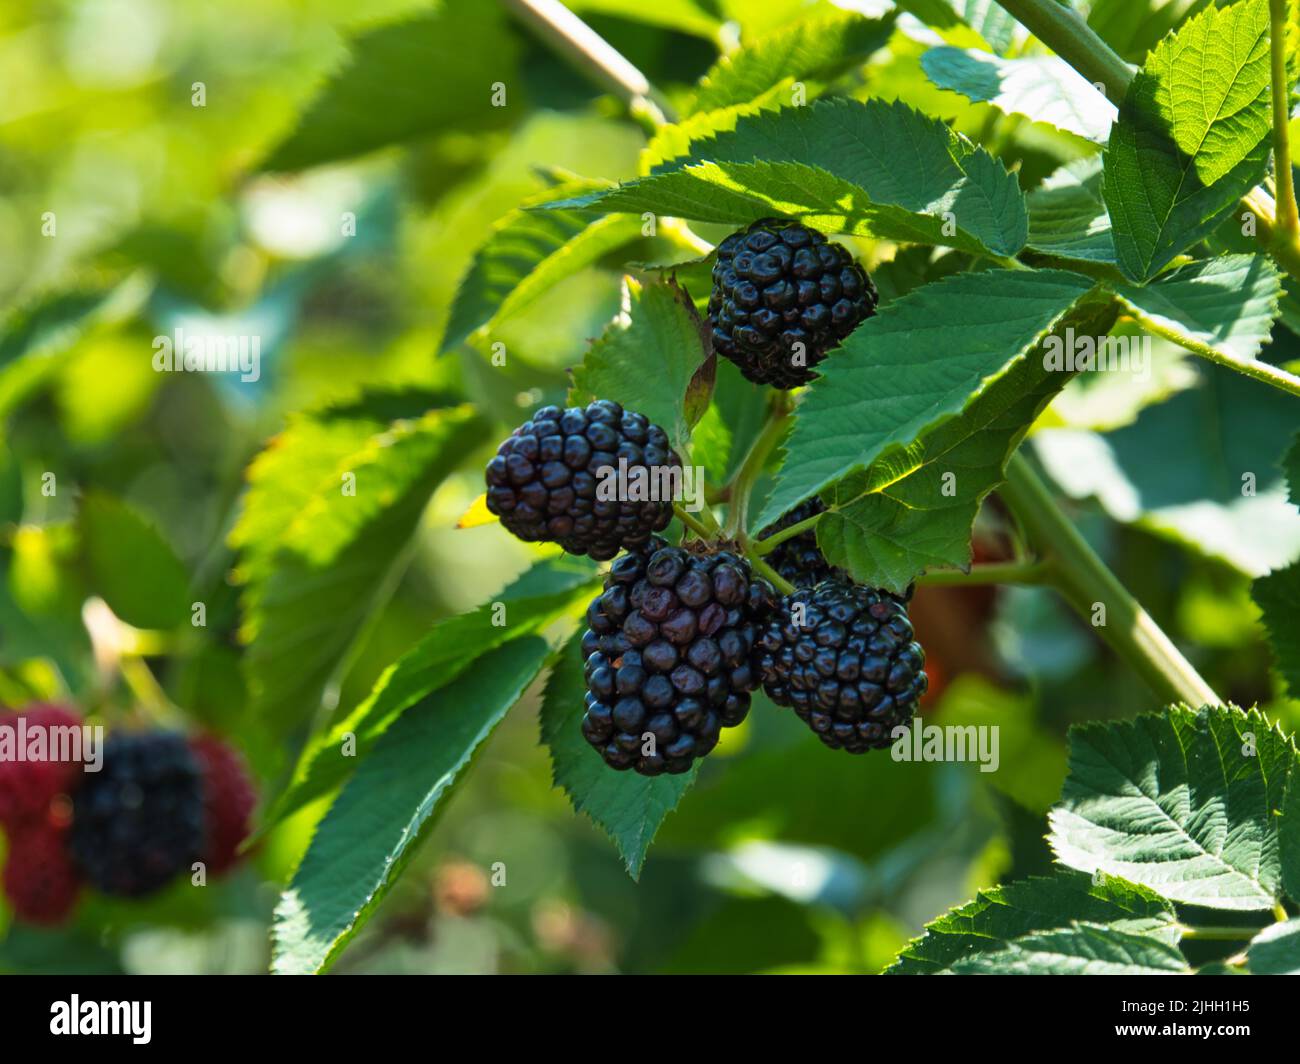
(777, 284)
(850, 670)
(139, 820)
(668, 654)
(543, 481)
(799, 559)
(39, 880)
(229, 797)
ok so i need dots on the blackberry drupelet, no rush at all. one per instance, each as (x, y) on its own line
(668, 654)
(543, 481)
(799, 559)
(851, 670)
(140, 820)
(779, 283)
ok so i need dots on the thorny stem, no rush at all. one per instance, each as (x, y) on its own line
(1086, 583)
(1288, 222)
(1062, 30)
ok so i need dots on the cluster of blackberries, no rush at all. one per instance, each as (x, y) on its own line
(680, 637)
(783, 296)
(158, 803)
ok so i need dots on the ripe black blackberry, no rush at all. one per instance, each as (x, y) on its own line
(777, 284)
(138, 821)
(543, 481)
(668, 654)
(851, 669)
(799, 559)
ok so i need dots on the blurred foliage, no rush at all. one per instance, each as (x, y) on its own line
(128, 212)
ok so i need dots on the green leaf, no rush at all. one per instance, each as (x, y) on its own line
(959, 20)
(130, 566)
(918, 362)
(1227, 303)
(647, 358)
(527, 254)
(914, 509)
(1222, 497)
(871, 168)
(382, 814)
(35, 337)
(547, 591)
(627, 807)
(1275, 950)
(814, 48)
(405, 80)
(1041, 88)
(1081, 949)
(1067, 217)
(1183, 802)
(1001, 917)
(310, 589)
(1278, 597)
(1192, 137)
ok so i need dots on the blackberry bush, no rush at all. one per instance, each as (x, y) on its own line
(843, 657)
(543, 481)
(780, 284)
(668, 655)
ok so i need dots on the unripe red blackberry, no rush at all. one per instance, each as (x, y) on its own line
(843, 657)
(138, 821)
(40, 881)
(28, 785)
(779, 284)
(229, 797)
(669, 655)
(543, 481)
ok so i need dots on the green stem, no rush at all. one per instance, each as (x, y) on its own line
(990, 573)
(752, 467)
(1288, 222)
(1058, 27)
(1065, 33)
(570, 37)
(705, 529)
(769, 544)
(1261, 371)
(768, 573)
(1220, 934)
(1086, 583)
(1280, 913)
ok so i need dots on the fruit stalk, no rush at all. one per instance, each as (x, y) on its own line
(1086, 582)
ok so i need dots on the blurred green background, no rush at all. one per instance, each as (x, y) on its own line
(783, 857)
